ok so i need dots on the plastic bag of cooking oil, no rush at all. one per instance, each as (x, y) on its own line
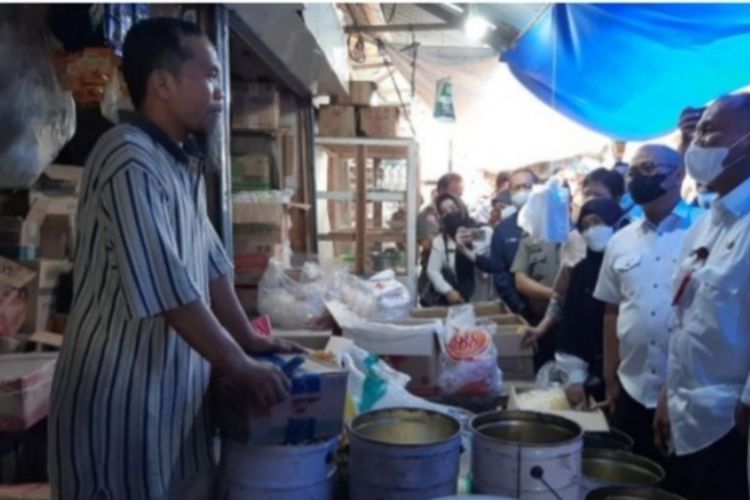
(468, 355)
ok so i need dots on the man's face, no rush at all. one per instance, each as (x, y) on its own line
(596, 190)
(196, 98)
(722, 124)
(521, 181)
(456, 188)
(651, 161)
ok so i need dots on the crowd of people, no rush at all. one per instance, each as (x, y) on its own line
(643, 306)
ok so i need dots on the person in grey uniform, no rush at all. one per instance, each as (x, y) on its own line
(154, 310)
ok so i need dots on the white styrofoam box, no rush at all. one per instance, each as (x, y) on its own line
(25, 384)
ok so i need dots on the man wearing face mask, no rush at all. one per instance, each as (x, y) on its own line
(505, 241)
(705, 409)
(635, 283)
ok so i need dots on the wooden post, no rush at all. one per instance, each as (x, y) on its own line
(361, 218)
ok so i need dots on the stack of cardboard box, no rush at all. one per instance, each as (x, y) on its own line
(260, 233)
(37, 239)
(354, 116)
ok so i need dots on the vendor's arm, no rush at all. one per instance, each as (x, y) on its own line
(228, 310)
(154, 280)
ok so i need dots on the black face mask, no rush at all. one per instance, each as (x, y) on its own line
(451, 223)
(645, 189)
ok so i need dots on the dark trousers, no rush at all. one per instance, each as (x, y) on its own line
(718, 472)
(637, 421)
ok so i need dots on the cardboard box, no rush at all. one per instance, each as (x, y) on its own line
(251, 172)
(337, 121)
(57, 236)
(25, 383)
(315, 410)
(409, 346)
(60, 181)
(317, 340)
(360, 94)
(516, 361)
(273, 214)
(251, 260)
(20, 232)
(255, 106)
(381, 122)
(481, 309)
(41, 292)
(31, 491)
(13, 300)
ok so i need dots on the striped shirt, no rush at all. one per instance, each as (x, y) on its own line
(129, 416)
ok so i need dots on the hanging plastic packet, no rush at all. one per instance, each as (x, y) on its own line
(546, 216)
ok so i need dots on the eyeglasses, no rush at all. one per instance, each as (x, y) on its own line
(649, 168)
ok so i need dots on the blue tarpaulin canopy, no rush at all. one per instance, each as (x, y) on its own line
(628, 70)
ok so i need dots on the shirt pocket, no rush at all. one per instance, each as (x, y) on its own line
(627, 268)
(537, 262)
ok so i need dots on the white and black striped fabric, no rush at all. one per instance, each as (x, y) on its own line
(129, 416)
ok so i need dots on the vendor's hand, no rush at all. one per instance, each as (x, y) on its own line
(576, 395)
(742, 418)
(265, 384)
(269, 345)
(530, 335)
(662, 428)
(612, 392)
(454, 298)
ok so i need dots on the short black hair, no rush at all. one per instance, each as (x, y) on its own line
(527, 171)
(609, 178)
(501, 179)
(154, 44)
(445, 181)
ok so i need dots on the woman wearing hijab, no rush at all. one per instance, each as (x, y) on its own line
(580, 347)
(450, 274)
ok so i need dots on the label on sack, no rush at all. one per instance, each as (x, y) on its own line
(468, 344)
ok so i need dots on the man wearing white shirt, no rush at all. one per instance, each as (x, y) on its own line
(636, 283)
(706, 408)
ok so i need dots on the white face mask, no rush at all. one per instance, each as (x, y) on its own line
(706, 199)
(507, 212)
(597, 237)
(705, 164)
(519, 198)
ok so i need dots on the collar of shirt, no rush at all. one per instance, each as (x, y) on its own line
(682, 212)
(736, 203)
(180, 154)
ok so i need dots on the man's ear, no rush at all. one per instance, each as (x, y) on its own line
(161, 82)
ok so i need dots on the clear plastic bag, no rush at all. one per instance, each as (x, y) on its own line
(38, 116)
(293, 304)
(546, 216)
(116, 98)
(468, 355)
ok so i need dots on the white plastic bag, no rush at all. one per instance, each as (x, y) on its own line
(374, 385)
(468, 355)
(546, 216)
(292, 304)
(38, 117)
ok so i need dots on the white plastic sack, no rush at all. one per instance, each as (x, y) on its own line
(291, 304)
(468, 355)
(38, 117)
(374, 385)
(546, 216)
(393, 300)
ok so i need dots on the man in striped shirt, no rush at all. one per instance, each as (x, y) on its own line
(154, 308)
